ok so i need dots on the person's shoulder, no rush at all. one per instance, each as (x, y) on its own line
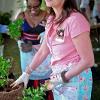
(45, 14)
(21, 15)
(76, 16)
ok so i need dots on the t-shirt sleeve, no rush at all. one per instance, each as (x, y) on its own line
(78, 24)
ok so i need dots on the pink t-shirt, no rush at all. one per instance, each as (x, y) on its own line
(59, 38)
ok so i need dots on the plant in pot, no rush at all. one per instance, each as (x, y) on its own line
(15, 29)
(34, 94)
(37, 93)
(1, 45)
(6, 92)
(4, 69)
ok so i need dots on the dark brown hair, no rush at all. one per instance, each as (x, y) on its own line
(69, 6)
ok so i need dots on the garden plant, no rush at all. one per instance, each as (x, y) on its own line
(4, 71)
(15, 29)
(37, 93)
(6, 92)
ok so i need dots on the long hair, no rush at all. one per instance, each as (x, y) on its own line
(69, 6)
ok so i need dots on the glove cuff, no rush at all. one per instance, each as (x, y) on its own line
(26, 74)
(28, 70)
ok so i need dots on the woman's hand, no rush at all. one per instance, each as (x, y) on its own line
(48, 85)
(22, 79)
(56, 78)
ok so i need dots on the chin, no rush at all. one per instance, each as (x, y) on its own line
(49, 5)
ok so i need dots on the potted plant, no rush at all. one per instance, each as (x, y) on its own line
(1, 45)
(15, 29)
(4, 69)
(34, 94)
(6, 92)
(37, 93)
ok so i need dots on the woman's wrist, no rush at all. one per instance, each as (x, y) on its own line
(28, 69)
(64, 78)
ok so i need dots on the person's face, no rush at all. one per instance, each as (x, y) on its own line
(54, 3)
(33, 6)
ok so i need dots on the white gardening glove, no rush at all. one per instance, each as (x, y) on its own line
(22, 79)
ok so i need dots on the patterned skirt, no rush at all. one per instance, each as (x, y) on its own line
(78, 88)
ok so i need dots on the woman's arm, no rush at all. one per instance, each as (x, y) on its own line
(39, 57)
(83, 46)
(37, 60)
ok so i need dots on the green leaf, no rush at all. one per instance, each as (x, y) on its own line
(4, 71)
(15, 29)
(34, 94)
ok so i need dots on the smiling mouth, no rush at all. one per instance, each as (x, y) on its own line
(33, 12)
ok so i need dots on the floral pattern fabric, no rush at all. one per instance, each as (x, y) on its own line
(78, 88)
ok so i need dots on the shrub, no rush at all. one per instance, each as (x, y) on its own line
(4, 71)
(15, 29)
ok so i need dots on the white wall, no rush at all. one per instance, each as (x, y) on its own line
(10, 5)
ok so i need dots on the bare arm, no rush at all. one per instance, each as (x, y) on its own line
(84, 48)
(39, 57)
(20, 15)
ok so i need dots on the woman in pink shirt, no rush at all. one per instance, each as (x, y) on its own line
(67, 38)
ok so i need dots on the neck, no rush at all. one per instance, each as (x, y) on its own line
(58, 12)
